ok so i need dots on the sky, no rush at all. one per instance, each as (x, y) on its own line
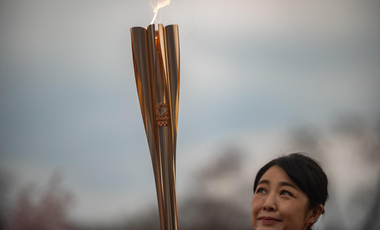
(250, 70)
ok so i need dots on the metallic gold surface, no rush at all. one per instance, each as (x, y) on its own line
(156, 63)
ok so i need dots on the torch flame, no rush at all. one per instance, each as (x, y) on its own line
(160, 4)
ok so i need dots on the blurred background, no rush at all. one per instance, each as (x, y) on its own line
(259, 79)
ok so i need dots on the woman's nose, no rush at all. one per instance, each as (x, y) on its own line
(270, 203)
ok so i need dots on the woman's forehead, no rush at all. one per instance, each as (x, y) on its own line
(276, 174)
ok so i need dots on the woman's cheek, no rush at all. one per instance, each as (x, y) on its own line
(257, 203)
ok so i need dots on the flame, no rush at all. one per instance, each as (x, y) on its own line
(160, 4)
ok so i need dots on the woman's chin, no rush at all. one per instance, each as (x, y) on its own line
(268, 226)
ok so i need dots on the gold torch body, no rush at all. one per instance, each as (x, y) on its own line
(156, 62)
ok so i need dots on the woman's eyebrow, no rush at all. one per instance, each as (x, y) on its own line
(264, 182)
(284, 183)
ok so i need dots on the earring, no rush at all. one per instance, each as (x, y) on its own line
(311, 224)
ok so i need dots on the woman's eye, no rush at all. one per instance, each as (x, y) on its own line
(260, 190)
(286, 193)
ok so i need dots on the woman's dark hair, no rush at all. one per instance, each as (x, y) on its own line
(305, 172)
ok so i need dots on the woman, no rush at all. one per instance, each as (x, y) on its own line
(289, 194)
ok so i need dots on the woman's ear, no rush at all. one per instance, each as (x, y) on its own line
(314, 214)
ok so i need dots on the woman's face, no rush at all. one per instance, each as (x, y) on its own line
(278, 203)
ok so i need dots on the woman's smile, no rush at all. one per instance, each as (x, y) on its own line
(268, 220)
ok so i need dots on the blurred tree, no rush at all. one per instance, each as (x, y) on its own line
(49, 213)
(372, 153)
(3, 185)
(209, 214)
(366, 134)
(214, 204)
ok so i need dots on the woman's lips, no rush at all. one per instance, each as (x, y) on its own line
(267, 219)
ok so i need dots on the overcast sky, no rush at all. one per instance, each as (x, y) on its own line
(68, 98)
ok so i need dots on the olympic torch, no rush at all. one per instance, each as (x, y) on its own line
(157, 69)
